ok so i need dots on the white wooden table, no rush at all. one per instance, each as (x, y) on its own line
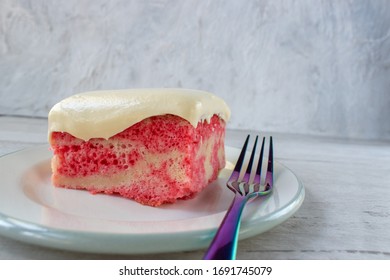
(345, 215)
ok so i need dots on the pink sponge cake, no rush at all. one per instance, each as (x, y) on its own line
(150, 145)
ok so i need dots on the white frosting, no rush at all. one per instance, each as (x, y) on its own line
(102, 114)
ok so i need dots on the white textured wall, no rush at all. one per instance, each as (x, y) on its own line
(318, 67)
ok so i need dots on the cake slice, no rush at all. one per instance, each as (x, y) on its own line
(150, 145)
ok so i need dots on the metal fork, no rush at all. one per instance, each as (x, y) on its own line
(224, 244)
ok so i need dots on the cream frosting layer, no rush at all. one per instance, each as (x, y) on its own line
(102, 114)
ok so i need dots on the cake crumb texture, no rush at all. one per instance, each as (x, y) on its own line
(158, 160)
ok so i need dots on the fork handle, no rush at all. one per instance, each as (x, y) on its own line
(224, 244)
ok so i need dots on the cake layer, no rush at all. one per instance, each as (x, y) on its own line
(157, 160)
(102, 114)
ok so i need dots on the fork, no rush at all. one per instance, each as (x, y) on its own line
(224, 244)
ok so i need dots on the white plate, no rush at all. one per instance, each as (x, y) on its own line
(33, 211)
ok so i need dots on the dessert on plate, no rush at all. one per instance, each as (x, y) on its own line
(150, 145)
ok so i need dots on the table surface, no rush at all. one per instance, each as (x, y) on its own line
(345, 214)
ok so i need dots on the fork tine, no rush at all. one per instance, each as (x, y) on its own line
(270, 167)
(237, 169)
(259, 164)
(250, 163)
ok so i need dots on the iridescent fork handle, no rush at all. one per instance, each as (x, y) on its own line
(224, 244)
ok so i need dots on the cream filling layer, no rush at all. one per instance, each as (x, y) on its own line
(133, 174)
(102, 114)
